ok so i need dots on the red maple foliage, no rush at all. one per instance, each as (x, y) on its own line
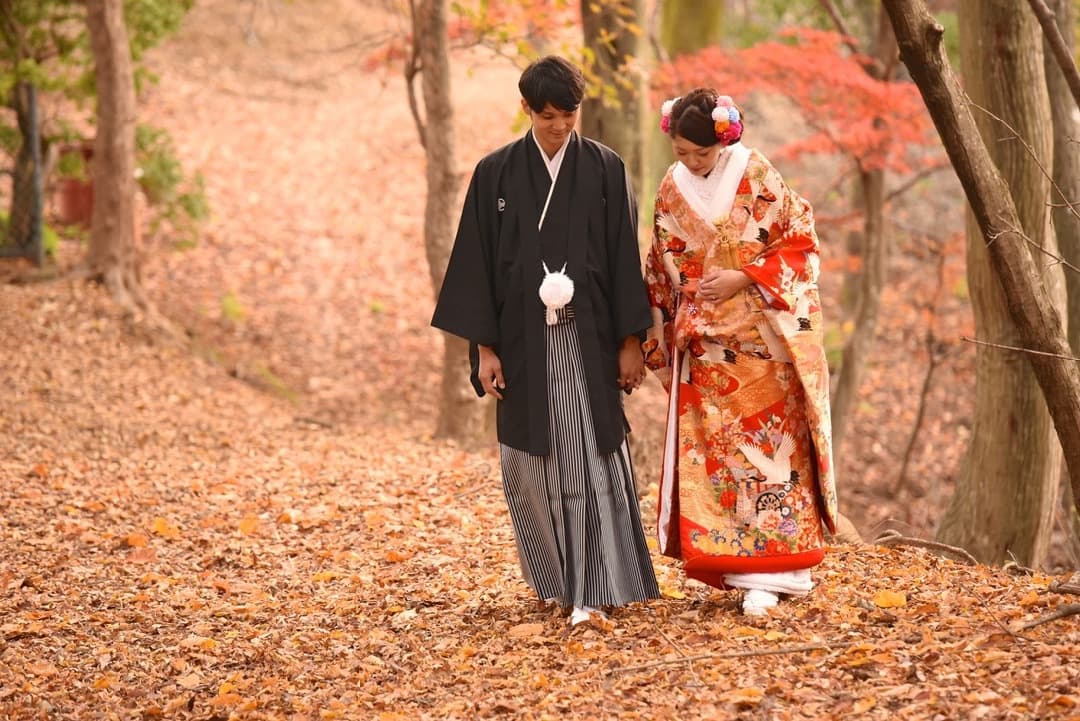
(878, 123)
(509, 28)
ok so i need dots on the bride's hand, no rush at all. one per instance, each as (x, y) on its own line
(719, 285)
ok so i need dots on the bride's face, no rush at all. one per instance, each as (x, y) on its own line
(699, 160)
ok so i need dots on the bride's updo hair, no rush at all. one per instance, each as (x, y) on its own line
(692, 117)
(705, 118)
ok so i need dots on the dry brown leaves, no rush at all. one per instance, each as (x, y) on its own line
(262, 528)
(177, 545)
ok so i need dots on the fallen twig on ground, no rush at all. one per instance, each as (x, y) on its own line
(678, 650)
(1065, 611)
(311, 421)
(1058, 587)
(894, 538)
(1016, 568)
(733, 654)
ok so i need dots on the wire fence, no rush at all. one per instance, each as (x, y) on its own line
(21, 229)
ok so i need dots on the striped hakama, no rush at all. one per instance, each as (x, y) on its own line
(575, 512)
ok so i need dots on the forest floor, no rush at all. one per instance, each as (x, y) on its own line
(258, 524)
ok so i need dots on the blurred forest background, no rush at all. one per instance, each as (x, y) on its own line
(266, 220)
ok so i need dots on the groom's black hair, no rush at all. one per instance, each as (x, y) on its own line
(552, 80)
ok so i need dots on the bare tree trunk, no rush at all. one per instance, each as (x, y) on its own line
(874, 250)
(1010, 477)
(1001, 505)
(20, 219)
(112, 256)
(1066, 163)
(867, 302)
(1066, 224)
(684, 26)
(689, 25)
(460, 411)
(1058, 41)
(615, 120)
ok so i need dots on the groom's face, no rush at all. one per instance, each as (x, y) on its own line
(551, 125)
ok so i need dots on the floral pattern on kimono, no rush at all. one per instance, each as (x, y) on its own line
(735, 442)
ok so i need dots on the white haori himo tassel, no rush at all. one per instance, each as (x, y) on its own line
(556, 291)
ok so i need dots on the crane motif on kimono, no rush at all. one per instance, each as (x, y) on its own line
(757, 494)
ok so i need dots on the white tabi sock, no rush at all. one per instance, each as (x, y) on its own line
(757, 602)
(580, 614)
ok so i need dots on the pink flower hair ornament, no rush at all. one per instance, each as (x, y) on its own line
(727, 120)
(665, 113)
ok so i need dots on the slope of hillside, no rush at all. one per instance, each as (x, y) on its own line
(258, 525)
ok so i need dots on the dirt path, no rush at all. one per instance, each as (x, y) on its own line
(317, 185)
(263, 529)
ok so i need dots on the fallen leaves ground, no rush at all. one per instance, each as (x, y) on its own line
(177, 544)
(259, 526)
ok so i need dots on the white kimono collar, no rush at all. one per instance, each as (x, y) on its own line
(555, 162)
(727, 185)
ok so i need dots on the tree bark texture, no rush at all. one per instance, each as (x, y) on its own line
(1063, 108)
(1001, 510)
(460, 411)
(112, 255)
(1004, 500)
(874, 251)
(867, 301)
(1056, 18)
(685, 26)
(614, 117)
(23, 218)
(689, 25)
(1066, 124)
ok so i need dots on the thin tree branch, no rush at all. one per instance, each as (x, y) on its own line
(1058, 260)
(362, 45)
(654, 33)
(874, 67)
(1014, 567)
(678, 650)
(1042, 168)
(840, 179)
(1022, 350)
(1058, 46)
(894, 538)
(1065, 611)
(412, 69)
(312, 421)
(997, 621)
(941, 164)
(470, 491)
(841, 26)
(733, 654)
(671, 643)
(931, 343)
